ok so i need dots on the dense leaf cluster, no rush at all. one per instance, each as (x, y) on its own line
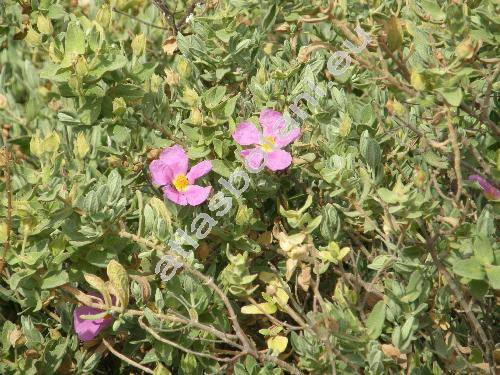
(372, 253)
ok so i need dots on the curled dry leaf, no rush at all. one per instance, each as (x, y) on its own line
(392, 352)
(304, 278)
(144, 285)
(170, 45)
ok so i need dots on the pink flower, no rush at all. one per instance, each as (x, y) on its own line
(268, 144)
(490, 191)
(88, 329)
(170, 172)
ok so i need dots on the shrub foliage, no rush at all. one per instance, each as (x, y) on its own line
(372, 253)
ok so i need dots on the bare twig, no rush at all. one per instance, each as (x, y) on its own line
(489, 86)
(139, 20)
(456, 155)
(167, 13)
(126, 359)
(180, 347)
(481, 117)
(188, 11)
(272, 318)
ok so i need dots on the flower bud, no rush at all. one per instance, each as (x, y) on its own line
(139, 44)
(103, 16)
(81, 67)
(119, 106)
(196, 116)
(417, 81)
(465, 50)
(33, 38)
(44, 25)
(183, 68)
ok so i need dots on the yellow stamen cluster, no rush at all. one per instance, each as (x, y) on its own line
(269, 142)
(180, 182)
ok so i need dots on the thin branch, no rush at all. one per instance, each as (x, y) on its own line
(126, 359)
(139, 20)
(167, 13)
(481, 117)
(188, 11)
(456, 155)
(272, 318)
(180, 347)
(288, 367)
(477, 155)
(489, 87)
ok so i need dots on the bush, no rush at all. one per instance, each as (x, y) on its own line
(249, 187)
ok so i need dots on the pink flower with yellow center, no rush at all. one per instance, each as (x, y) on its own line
(170, 172)
(268, 143)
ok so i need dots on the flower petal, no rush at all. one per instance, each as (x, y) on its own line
(88, 329)
(199, 170)
(246, 134)
(175, 196)
(161, 173)
(490, 191)
(197, 194)
(255, 159)
(176, 159)
(272, 122)
(287, 137)
(278, 160)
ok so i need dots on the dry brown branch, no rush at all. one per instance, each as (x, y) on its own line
(456, 155)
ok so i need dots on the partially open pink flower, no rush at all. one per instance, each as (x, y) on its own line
(170, 172)
(268, 143)
(490, 191)
(88, 329)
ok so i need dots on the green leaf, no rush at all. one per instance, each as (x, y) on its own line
(469, 268)
(483, 251)
(376, 319)
(55, 279)
(387, 195)
(277, 344)
(118, 277)
(267, 307)
(75, 39)
(370, 150)
(452, 95)
(214, 96)
(493, 273)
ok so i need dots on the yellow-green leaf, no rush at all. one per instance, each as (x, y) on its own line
(36, 146)
(51, 143)
(98, 284)
(44, 25)
(81, 146)
(119, 279)
(277, 344)
(261, 308)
